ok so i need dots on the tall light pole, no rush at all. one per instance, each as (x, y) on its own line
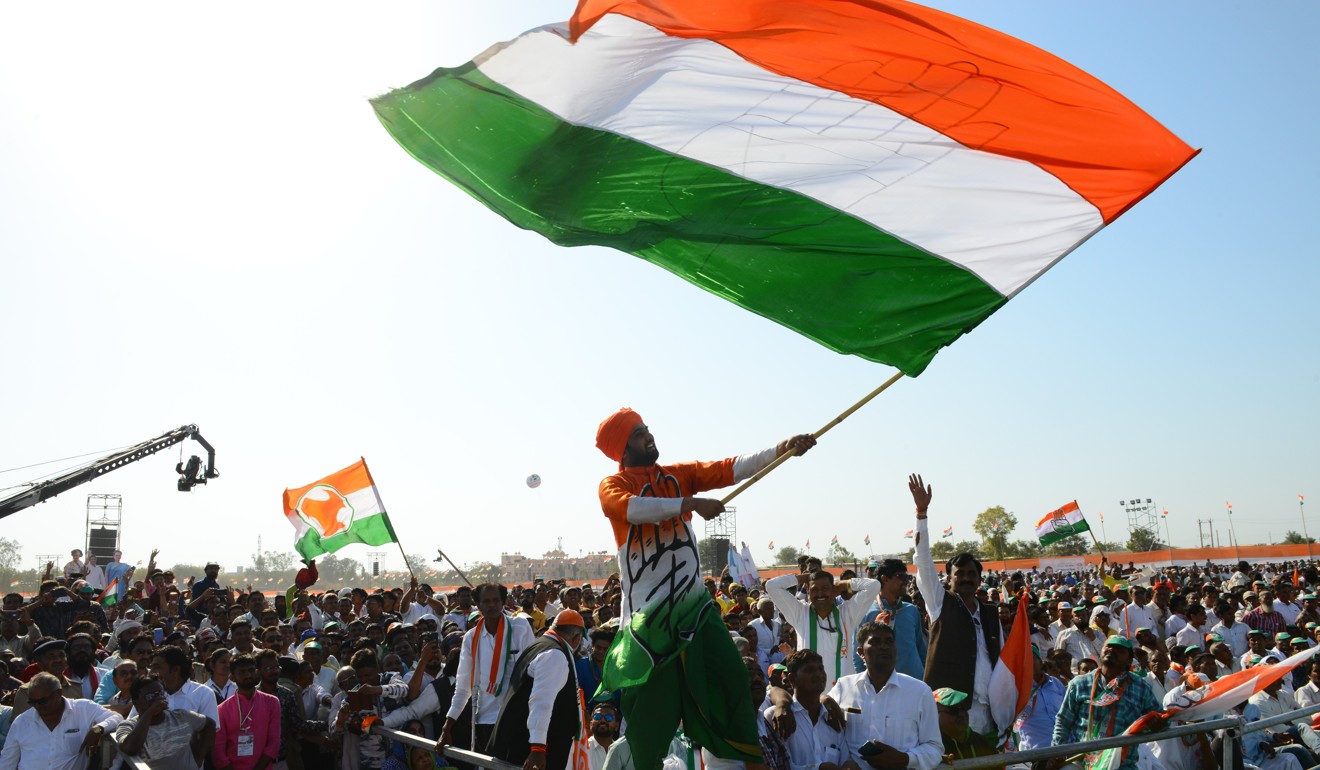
(1167, 537)
(1301, 508)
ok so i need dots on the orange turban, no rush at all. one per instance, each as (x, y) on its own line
(612, 435)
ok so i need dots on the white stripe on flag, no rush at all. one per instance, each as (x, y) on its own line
(1003, 219)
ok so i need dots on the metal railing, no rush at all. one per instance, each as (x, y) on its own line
(460, 755)
(110, 750)
(1235, 725)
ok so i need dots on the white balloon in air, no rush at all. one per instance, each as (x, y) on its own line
(534, 481)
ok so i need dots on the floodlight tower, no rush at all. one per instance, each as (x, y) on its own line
(723, 530)
(1141, 512)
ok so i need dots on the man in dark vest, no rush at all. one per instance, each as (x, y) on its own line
(541, 717)
(964, 633)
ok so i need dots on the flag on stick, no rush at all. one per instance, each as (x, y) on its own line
(1230, 507)
(1210, 700)
(1061, 523)
(948, 532)
(908, 535)
(834, 540)
(771, 546)
(866, 540)
(756, 156)
(1011, 679)
(340, 509)
(807, 545)
(110, 596)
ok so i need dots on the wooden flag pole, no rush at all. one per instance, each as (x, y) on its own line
(385, 512)
(792, 452)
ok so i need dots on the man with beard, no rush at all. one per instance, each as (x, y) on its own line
(487, 658)
(248, 734)
(170, 665)
(892, 721)
(590, 668)
(678, 662)
(462, 608)
(52, 657)
(81, 652)
(169, 739)
(277, 673)
(964, 632)
(605, 719)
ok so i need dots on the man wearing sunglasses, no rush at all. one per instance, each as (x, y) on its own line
(892, 609)
(605, 720)
(56, 733)
(168, 738)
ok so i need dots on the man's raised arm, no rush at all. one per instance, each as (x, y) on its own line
(928, 580)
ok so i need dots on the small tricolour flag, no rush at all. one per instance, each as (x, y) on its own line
(879, 177)
(1059, 524)
(866, 540)
(1301, 499)
(1164, 513)
(908, 535)
(1230, 507)
(340, 509)
(771, 546)
(110, 596)
(807, 545)
(16, 582)
(948, 532)
(834, 540)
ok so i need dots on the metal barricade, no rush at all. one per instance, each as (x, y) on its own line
(460, 755)
(110, 750)
(1236, 726)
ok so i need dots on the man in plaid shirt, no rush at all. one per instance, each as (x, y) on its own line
(1104, 702)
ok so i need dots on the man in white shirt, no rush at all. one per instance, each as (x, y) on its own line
(170, 665)
(1273, 701)
(1081, 642)
(1192, 634)
(1137, 614)
(95, 574)
(767, 627)
(1064, 622)
(1309, 693)
(604, 729)
(483, 667)
(814, 743)
(1284, 604)
(539, 716)
(45, 737)
(822, 624)
(892, 715)
(1233, 631)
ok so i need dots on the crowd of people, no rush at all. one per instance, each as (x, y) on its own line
(655, 667)
(847, 670)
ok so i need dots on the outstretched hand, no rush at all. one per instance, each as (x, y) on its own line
(920, 494)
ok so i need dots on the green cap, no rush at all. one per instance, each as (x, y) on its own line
(1257, 632)
(1282, 637)
(947, 696)
(1119, 641)
(1191, 648)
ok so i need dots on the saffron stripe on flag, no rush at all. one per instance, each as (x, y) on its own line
(979, 86)
(860, 158)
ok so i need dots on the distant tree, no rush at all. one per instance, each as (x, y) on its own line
(1106, 546)
(338, 571)
(1296, 538)
(419, 564)
(995, 525)
(1143, 539)
(1076, 545)
(941, 550)
(184, 571)
(11, 554)
(1024, 549)
(837, 554)
(787, 555)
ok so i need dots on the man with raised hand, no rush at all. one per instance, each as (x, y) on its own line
(823, 624)
(677, 627)
(964, 632)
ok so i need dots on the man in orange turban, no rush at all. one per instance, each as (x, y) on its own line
(665, 608)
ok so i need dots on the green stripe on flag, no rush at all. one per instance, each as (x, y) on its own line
(839, 281)
(1062, 531)
(373, 530)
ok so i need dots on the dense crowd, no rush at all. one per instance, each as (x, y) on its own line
(192, 673)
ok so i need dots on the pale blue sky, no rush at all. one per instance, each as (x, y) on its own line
(202, 221)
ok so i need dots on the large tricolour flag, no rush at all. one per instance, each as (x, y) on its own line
(877, 176)
(340, 509)
(1063, 522)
